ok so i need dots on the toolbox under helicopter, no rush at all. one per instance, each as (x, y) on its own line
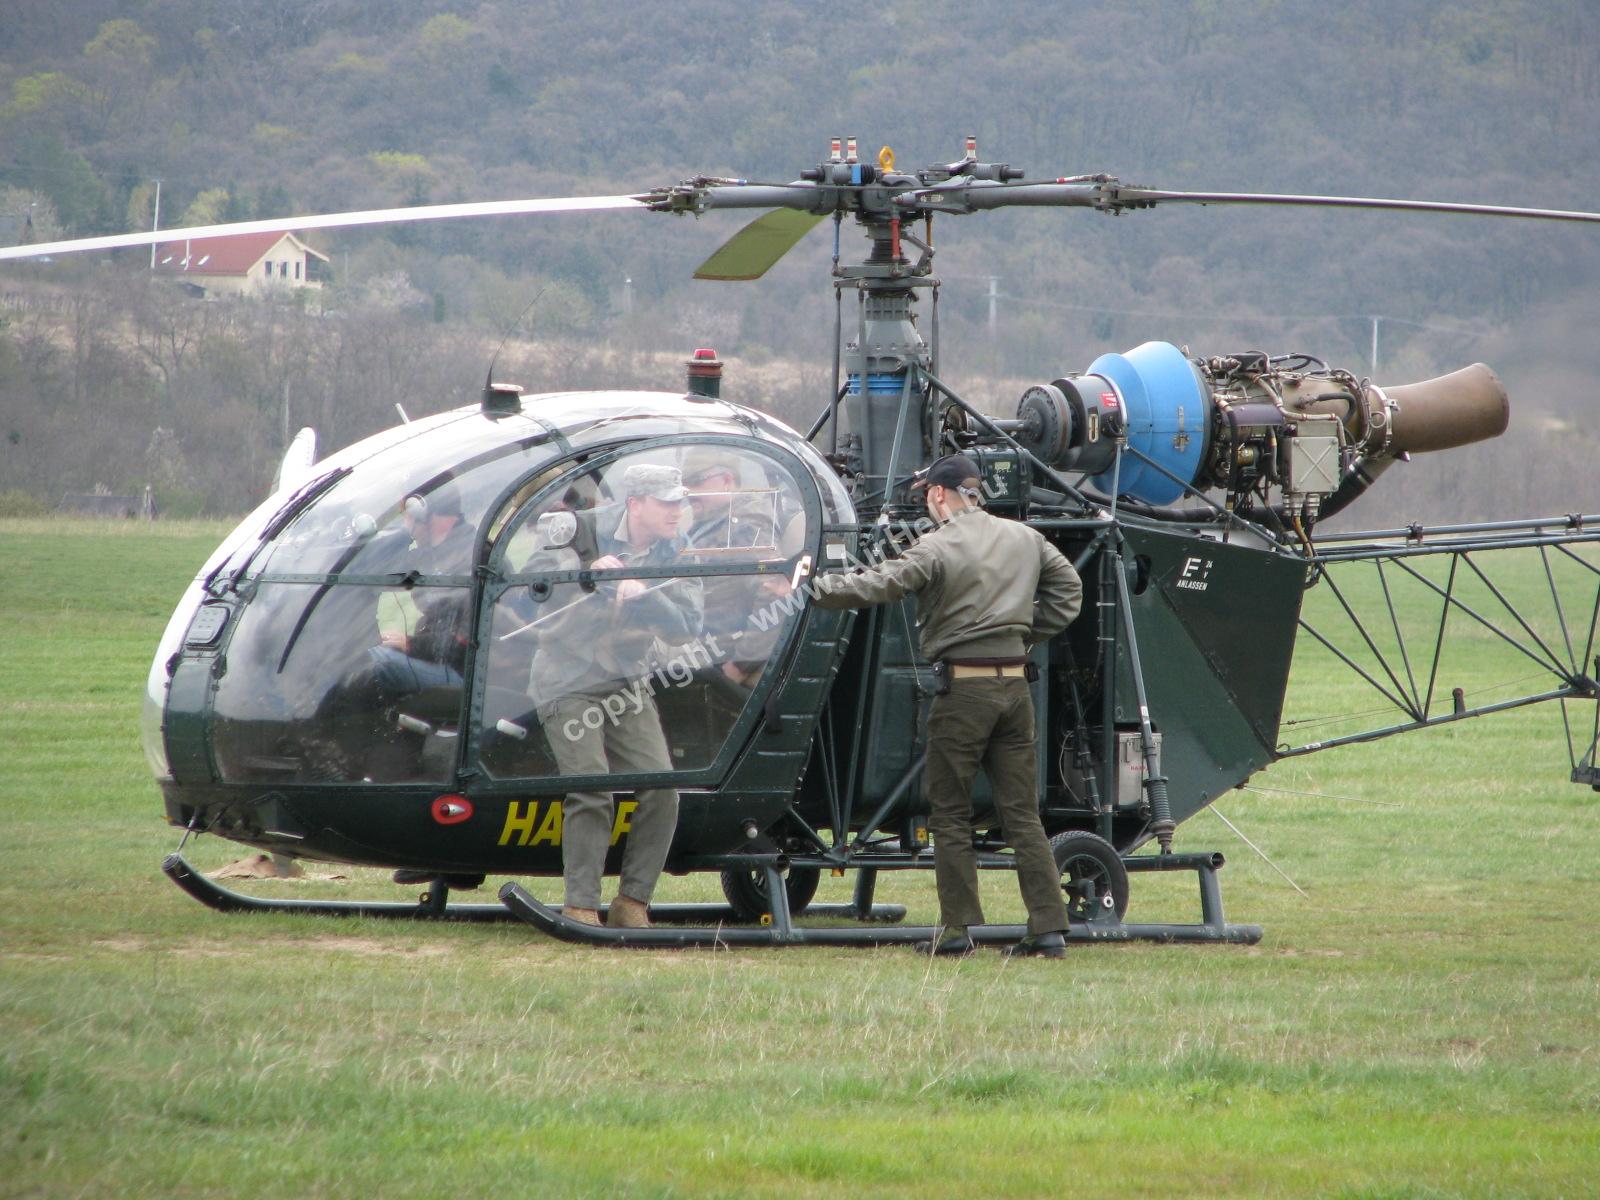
(325, 691)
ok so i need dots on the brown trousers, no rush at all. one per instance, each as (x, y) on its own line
(988, 723)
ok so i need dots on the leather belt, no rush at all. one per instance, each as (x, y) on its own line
(996, 671)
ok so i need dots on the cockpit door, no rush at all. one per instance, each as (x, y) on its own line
(639, 606)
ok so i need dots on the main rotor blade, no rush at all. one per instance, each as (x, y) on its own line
(1108, 194)
(1136, 196)
(751, 253)
(376, 216)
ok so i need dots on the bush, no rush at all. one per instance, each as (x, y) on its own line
(180, 503)
(14, 502)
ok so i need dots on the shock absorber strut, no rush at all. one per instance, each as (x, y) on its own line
(1155, 783)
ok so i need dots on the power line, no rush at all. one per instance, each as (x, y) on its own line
(1276, 319)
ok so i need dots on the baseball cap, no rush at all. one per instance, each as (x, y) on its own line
(656, 480)
(952, 471)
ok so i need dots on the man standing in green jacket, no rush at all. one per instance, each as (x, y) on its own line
(987, 589)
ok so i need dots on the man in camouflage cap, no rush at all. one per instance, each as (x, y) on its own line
(596, 650)
(656, 481)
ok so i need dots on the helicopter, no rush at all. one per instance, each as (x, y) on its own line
(323, 692)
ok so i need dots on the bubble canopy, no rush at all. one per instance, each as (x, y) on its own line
(416, 603)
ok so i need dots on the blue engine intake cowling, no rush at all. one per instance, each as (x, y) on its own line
(1167, 419)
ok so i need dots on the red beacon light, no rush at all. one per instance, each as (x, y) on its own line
(705, 373)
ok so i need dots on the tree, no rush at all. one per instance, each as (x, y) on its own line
(210, 207)
(121, 81)
(34, 214)
(46, 165)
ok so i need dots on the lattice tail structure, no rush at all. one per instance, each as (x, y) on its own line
(1513, 598)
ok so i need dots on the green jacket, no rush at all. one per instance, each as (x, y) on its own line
(985, 587)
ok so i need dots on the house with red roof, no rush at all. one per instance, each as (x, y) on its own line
(243, 264)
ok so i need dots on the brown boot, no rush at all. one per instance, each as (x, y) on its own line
(583, 916)
(628, 913)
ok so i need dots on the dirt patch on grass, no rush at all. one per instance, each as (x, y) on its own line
(1291, 952)
(264, 866)
(324, 944)
(358, 945)
(125, 945)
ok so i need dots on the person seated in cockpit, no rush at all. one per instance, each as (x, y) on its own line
(726, 517)
(731, 523)
(421, 647)
(422, 636)
(441, 544)
(591, 681)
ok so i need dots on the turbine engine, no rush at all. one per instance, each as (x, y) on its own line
(1247, 423)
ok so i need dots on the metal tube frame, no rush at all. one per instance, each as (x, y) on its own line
(1565, 658)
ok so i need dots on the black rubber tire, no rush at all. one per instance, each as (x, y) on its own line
(1088, 858)
(747, 890)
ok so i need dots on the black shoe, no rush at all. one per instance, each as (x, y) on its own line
(1039, 945)
(954, 944)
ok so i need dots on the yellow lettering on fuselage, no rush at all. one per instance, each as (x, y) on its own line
(549, 828)
(527, 825)
(517, 823)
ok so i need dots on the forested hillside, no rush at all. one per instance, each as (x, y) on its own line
(246, 108)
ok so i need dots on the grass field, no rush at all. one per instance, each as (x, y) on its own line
(1423, 1022)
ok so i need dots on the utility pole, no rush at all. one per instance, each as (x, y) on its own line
(627, 295)
(155, 223)
(1374, 367)
(994, 296)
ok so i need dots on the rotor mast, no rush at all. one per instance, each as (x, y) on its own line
(887, 363)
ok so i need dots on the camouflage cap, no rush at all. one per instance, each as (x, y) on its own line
(709, 460)
(656, 480)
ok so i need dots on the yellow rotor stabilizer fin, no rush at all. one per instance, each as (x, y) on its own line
(750, 253)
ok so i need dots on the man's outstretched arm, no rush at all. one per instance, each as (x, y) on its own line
(882, 584)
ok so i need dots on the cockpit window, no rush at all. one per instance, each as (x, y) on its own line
(646, 599)
(536, 578)
(348, 664)
(337, 684)
(367, 521)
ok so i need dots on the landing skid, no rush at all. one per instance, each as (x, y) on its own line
(714, 925)
(781, 932)
(1104, 926)
(435, 904)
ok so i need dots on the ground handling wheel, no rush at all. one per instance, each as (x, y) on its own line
(1092, 875)
(747, 890)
